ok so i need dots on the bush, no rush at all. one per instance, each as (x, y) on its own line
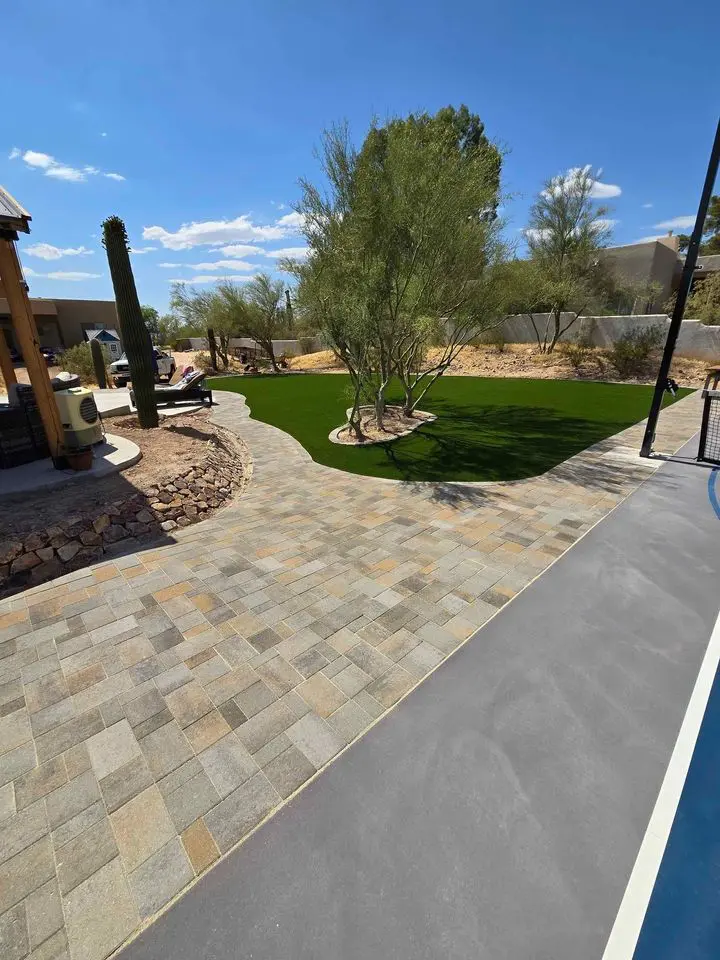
(578, 351)
(202, 361)
(307, 344)
(79, 360)
(631, 352)
(494, 338)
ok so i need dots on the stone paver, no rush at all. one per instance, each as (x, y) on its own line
(155, 708)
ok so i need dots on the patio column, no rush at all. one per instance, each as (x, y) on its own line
(6, 365)
(27, 337)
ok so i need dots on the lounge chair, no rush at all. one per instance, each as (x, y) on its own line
(187, 390)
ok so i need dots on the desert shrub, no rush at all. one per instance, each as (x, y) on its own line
(306, 344)
(78, 360)
(202, 361)
(495, 338)
(631, 352)
(578, 351)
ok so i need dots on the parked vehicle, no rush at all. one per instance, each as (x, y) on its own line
(120, 369)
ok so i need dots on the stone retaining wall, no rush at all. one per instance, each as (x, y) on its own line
(87, 537)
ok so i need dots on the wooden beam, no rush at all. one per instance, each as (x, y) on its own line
(6, 365)
(27, 337)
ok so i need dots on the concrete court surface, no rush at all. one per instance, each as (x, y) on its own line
(498, 810)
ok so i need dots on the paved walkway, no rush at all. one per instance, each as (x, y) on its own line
(155, 709)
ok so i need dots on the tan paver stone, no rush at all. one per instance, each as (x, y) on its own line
(160, 877)
(25, 872)
(349, 721)
(13, 934)
(207, 730)
(200, 846)
(84, 855)
(388, 689)
(242, 810)
(228, 764)
(165, 749)
(288, 771)
(141, 826)
(321, 695)
(39, 782)
(93, 930)
(315, 738)
(112, 748)
(14, 731)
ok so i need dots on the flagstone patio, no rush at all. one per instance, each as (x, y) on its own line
(155, 709)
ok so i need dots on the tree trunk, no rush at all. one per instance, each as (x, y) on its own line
(380, 410)
(409, 405)
(213, 348)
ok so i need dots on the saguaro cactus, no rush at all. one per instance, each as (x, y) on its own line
(98, 363)
(135, 336)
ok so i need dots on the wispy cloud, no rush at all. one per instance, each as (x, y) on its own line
(71, 275)
(292, 221)
(137, 250)
(658, 236)
(46, 251)
(677, 223)
(223, 265)
(213, 233)
(599, 190)
(208, 278)
(171, 266)
(292, 253)
(240, 250)
(647, 206)
(35, 160)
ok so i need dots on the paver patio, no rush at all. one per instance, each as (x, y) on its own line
(153, 710)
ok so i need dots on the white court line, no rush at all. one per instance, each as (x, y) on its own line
(628, 923)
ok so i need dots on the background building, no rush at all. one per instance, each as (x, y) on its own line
(63, 323)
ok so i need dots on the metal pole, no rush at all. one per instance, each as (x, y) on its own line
(682, 295)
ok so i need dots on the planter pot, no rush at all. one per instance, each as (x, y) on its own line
(80, 459)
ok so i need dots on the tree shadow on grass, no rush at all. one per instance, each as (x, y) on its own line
(495, 444)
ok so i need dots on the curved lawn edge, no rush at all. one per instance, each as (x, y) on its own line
(488, 430)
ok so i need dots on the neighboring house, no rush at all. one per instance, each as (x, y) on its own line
(658, 263)
(110, 339)
(63, 323)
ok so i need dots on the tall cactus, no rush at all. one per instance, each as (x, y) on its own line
(135, 336)
(98, 360)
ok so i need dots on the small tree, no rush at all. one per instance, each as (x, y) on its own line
(257, 310)
(704, 301)
(203, 309)
(711, 232)
(402, 248)
(566, 234)
(152, 322)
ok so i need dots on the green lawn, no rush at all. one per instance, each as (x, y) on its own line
(487, 429)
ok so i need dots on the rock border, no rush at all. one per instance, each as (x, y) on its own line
(89, 536)
(334, 435)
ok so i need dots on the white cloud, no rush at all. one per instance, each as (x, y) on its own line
(207, 278)
(677, 223)
(292, 221)
(240, 250)
(74, 275)
(646, 206)
(59, 171)
(214, 233)
(171, 266)
(137, 250)
(103, 134)
(46, 251)
(223, 265)
(599, 191)
(294, 253)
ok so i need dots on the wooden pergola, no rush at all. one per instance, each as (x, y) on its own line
(13, 220)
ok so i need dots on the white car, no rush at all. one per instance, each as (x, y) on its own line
(120, 369)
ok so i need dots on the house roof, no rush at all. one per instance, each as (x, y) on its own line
(12, 215)
(709, 264)
(102, 335)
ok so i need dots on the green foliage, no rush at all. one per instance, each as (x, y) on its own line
(630, 354)
(259, 306)
(203, 361)
(704, 301)
(495, 338)
(79, 360)
(203, 309)
(711, 233)
(152, 322)
(565, 235)
(579, 352)
(406, 234)
(135, 336)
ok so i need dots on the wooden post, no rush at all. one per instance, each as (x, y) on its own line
(6, 365)
(27, 337)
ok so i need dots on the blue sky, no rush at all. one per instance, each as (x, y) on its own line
(172, 113)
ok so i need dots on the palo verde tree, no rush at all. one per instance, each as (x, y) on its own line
(205, 310)
(711, 232)
(135, 336)
(258, 311)
(403, 245)
(565, 274)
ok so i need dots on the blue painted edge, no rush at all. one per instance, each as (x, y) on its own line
(712, 491)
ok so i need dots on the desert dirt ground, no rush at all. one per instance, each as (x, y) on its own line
(522, 360)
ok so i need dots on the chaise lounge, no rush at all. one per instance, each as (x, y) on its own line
(187, 390)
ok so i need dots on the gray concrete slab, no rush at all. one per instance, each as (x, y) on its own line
(498, 811)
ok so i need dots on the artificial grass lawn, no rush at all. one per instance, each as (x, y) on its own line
(487, 428)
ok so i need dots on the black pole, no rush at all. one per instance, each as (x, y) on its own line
(682, 295)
